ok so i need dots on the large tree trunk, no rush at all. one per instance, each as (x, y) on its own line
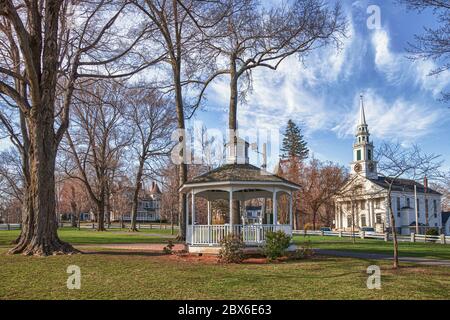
(39, 233)
(182, 168)
(101, 215)
(137, 190)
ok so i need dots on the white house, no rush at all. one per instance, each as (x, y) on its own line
(149, 206)
(253, 214)
(446, 223)
(362, 202)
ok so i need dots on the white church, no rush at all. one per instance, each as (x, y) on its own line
(362, 202)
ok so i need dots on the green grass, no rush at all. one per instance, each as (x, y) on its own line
(88, 236)
(126, 275)
(406, 249)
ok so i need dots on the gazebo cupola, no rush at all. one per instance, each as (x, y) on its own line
(237, 151)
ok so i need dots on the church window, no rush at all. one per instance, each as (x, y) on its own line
(369, 154)
(349, 221)
(358, 155)
(363, 220)
(377, 203)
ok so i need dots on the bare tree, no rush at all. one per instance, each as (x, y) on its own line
(396, 162)
(180, 27)
(150, 116)
(255, 37)
(47, 47)
(96, 138)
(434, 43)
(320, 182)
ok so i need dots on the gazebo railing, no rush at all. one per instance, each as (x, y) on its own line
(253, 234)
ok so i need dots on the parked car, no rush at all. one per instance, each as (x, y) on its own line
(368, 230)
(325, 229)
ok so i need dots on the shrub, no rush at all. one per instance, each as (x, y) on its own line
(304, 252)
(432, 232)
(168, 249)
(232, 249)
(276, 244)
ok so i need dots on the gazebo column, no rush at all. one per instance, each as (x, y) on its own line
(275, 207)
(193, 207)
(290, 211)
(188, 234)
(231, 207)
(209, 212)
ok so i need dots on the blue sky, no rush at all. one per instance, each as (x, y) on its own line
(322, 93)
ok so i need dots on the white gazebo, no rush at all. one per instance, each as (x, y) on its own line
(233, 182)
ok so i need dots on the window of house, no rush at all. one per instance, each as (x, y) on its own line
(369, 154)
(363, 220)
(427, 208)
(435, 208)
(349, 221)
(398, 207)
(408, 203)
(358, 155)
(418, 207)
(378, 217)
(377, 203)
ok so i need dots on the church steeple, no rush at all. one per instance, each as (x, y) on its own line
(363, 163)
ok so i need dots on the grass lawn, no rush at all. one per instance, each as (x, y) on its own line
(109, 274)
(88, 236)
(406, 249)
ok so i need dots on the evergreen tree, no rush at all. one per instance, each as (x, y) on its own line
(294, 144)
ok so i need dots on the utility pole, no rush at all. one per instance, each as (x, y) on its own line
(416, 209)
(425, 184)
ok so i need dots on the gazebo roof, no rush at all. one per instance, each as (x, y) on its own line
(239, 173)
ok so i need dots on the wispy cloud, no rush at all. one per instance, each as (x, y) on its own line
(400, 70)
(390, 120)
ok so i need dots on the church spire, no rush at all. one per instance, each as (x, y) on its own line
(363, 163)
(362, 116)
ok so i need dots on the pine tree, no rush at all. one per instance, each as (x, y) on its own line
(294, 144)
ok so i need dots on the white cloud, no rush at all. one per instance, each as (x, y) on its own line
(292, 91)
(400, 70)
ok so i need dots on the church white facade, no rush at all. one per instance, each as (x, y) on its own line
(363, 203)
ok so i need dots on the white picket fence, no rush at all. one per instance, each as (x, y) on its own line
(372, 235)
(213, 234)
(10, 226)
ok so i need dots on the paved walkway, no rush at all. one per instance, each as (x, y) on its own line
(378, 256)
(156, 247)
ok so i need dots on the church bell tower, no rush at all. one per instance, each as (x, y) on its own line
(363, 163)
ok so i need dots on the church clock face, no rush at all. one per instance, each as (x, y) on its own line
(357, 167)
